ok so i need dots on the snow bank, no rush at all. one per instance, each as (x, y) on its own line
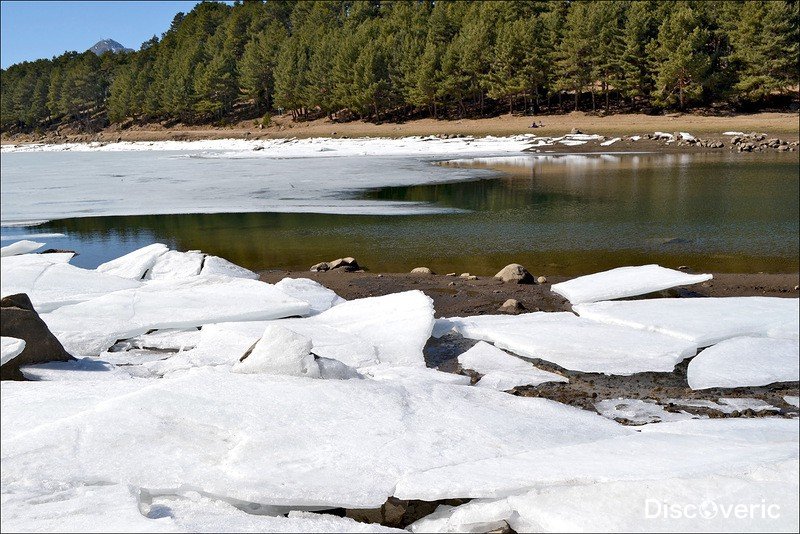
(703, 321)
(576, 343)
(745, 361)
(624, 282)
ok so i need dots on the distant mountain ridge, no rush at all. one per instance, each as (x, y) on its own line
(108, 45)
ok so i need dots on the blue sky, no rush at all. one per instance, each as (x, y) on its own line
(43, 29)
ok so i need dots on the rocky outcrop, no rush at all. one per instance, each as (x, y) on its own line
(19, 319)
(348, 264)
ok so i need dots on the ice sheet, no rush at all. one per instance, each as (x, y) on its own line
(704, 321)
(745, 361)
(135, 264)
(576, 343)
(501, 371)
(20, 247)
(270, 439)
(11, 348)
(726, 405)
(624, 282)
(89, 328)
(50, 282)
(75, 180)
(319, 297)
(691, 448)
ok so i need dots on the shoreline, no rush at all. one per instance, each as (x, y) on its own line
(783, 125)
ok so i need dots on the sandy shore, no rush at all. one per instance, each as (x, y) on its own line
(783, 125)
(455, 296)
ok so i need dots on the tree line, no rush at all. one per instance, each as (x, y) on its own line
(393, 60)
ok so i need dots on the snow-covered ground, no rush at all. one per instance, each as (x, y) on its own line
(211, 401)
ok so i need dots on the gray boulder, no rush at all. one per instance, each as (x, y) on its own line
(515, 273)
(19, 319)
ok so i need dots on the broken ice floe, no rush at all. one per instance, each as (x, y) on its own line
(637, 411)
(88, 328)
(502, 371)
(575, 343)
(269, 439)
(214, 265)
(703, 321)
(20, 247)
(319, 297)
(50, 282)
(123, 508)
(280, 351)
(793, 400)
(174, 264)
(610, 141)
(624, 282)
(135, 264)
(11, 348)
(745, 361)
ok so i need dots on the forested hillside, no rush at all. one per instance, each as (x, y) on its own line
(382, 61)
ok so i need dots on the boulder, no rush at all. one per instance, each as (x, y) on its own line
(322, 266)
(575, 131)
(347, 264)
(18, 319)
(511, 306)
(515, 273)
(422, 271)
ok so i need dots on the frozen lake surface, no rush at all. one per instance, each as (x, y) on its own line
(295, 203)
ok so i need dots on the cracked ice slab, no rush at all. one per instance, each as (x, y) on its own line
(624, 282)
(501, 371)
(24, 246)
(50, 282)
(745, 361)
(703, 320)
(88, 328)
(574, 342)
(319, 297)
(389, 330)
(10, 348)
(120, 508)
(174, 264)
(270, 440)
(214, 265)
(135, 264)
(691, 448)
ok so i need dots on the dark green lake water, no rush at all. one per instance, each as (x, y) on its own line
(565, 215)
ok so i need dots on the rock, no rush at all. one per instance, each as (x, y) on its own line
(511, 306)
(422, 271)
(575, 131)
(347, 264)
(516, 273)
(322, 266)
(450, 274)
(471, 277)
(464, 275)
(541, 280)
(258, 147)
(18, 319)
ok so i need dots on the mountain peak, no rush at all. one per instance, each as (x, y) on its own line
(108, 45)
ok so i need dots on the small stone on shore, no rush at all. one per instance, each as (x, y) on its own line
(422, 271)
